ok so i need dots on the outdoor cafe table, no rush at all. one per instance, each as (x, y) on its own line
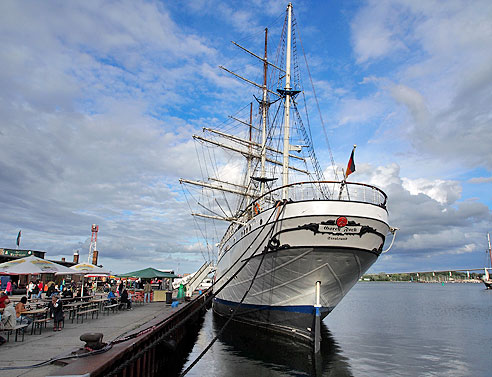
(35, 314)
(83, 298)
(99, 302)
(73, 307)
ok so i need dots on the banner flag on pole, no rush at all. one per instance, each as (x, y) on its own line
(18, 238)
(351, 164)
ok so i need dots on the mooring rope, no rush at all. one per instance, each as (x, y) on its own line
(163, 337)
(238, 305)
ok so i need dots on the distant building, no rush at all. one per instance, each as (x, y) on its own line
(11, 254)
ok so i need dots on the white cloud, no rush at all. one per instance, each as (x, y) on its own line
(360, 111)
(444, 192)
(480, 180)
(414, 101)
(374, 34)
(433, 222)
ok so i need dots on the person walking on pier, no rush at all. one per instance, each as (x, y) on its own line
(41, 289)
(147, 292)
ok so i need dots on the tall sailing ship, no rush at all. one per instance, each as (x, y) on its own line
(296, 245)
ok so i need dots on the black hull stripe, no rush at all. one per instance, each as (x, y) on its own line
(295, 217)
(326, 249)
(306, 309)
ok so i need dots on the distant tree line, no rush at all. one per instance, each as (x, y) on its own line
(423, 277)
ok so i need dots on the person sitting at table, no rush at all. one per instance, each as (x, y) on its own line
(35, 291)
(19, 308)
(56, 310)
(3, 297)
(9, 318)
(51, 290)
(87, 289)
(120, 288)
(112, 297)
(125, 299)
(66, 293)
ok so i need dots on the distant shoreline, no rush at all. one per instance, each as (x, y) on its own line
(424, 282)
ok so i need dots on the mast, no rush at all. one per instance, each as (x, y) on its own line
(264, 116)
(285, 165)
(490, 250)
(250, 149)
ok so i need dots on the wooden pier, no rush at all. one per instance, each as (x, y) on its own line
(142, 342)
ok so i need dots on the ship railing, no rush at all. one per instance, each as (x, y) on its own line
(315, 190)
(323, 190)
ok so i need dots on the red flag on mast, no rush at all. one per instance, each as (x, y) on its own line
(351, 164)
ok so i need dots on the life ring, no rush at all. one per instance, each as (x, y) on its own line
(273, 244)
(257, 208)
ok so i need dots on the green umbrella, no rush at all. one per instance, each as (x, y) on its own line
(147, 273)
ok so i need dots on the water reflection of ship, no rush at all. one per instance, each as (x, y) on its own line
(283, 354)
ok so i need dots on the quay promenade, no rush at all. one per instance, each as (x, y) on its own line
(50, 344)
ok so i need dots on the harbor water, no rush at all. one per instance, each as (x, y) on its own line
(379, 329)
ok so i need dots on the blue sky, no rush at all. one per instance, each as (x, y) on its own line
(99, 101)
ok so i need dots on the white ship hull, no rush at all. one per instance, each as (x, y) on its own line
(305, 246)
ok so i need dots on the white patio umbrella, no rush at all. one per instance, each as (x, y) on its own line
(33, 265)
(87, 270)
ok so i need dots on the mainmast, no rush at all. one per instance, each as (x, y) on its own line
(264, 109)
(287, 90)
